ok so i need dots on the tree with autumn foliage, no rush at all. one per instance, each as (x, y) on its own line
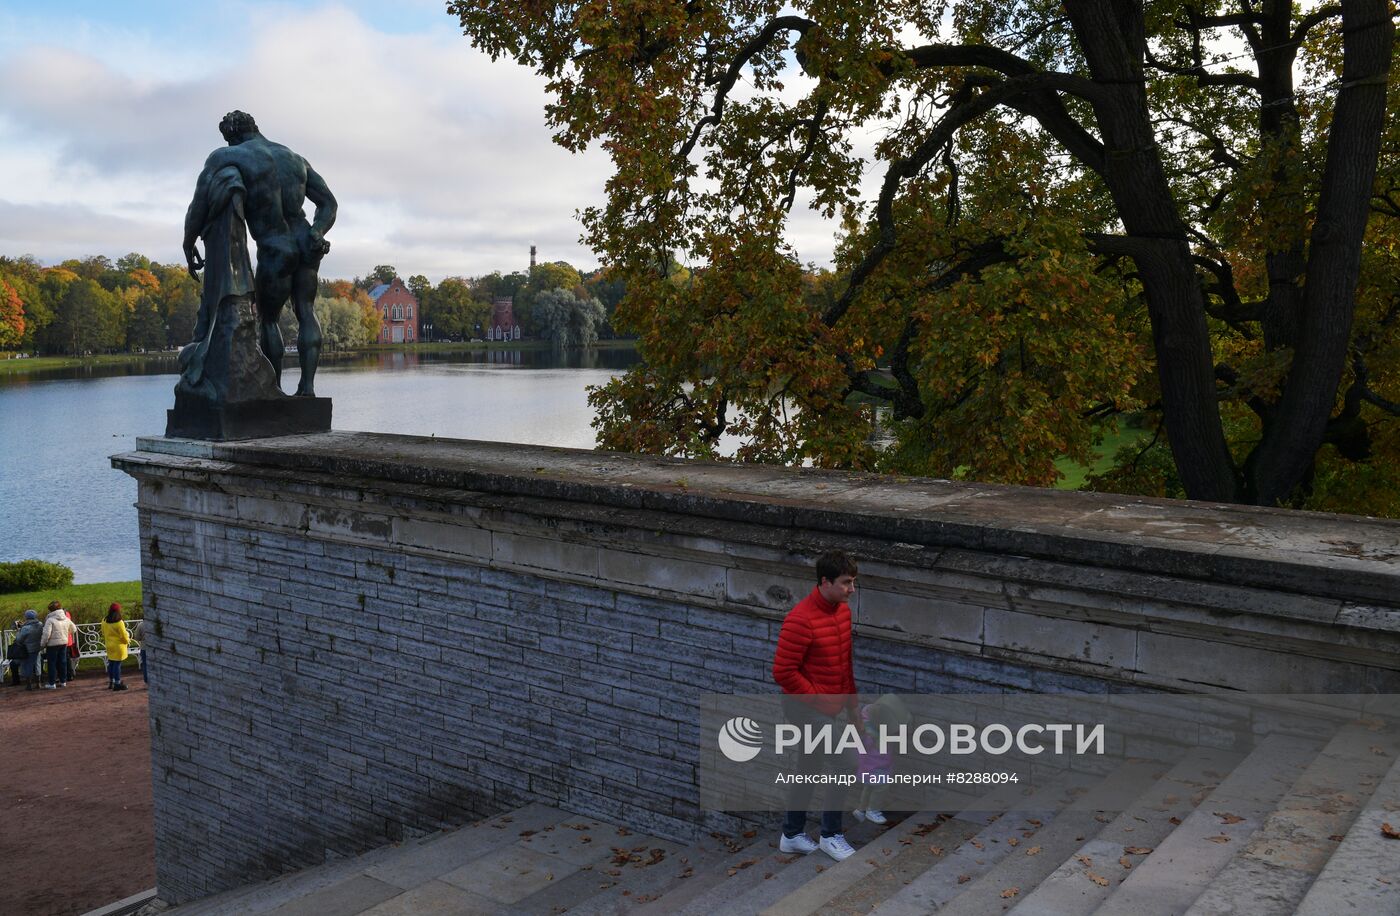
(1081, 210)
(11, 316)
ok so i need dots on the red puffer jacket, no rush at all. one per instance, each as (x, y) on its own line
(814, 652)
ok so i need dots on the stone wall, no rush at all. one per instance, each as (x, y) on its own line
(358, 636)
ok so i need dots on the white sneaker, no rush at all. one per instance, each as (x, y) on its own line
(801, 844)
(836, 847)
(872, 815)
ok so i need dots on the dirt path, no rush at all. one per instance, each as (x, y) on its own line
(78, 758)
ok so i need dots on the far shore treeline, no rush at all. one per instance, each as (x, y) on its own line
(94, 305)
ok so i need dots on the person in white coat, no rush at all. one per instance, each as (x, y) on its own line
(57, 630)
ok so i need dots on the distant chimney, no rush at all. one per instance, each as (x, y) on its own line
(532, 257)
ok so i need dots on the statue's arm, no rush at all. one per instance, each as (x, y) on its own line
(320, 195)
(196, 217)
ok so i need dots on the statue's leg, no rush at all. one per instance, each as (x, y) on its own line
(272, 294)
(309, 328)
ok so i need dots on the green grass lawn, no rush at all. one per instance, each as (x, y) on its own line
(84, 603)
(1113, 440)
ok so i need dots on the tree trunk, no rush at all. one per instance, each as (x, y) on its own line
(1285, 455)
(1112, 36)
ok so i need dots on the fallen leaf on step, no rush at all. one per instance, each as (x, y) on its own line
(689, 870)
(1033, 822)
(1383, 880)
(549, 876)
(623, 831)
(1218, 839)
(1101, 818)
(1010, 892)
(1171, 799)
(978, 845)
(821, 868)
(1012, 841)
(936, 850)
(1033, 851)
(1123, 861)
(1377, 750)
(1336, 837)
(906, 841)
(1176, 821)
(1085, 861)
(1228, 818)
(528, 832)
(1136, 850)
(963, 879)
(1389, 832)
(885, 850)
(767, 875)
(1100, 880)
(750, 834)
(733, 872)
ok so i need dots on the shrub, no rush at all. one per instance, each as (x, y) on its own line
(32, 575)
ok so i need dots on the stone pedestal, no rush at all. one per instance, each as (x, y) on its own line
(228, 389)
(195, 418)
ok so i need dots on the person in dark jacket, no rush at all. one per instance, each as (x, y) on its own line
(812, 665)
(30, 636)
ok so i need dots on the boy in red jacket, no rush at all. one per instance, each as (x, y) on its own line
(813, 666)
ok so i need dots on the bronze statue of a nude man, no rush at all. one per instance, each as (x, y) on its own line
(277, 184)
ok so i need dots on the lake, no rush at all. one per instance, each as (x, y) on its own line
(63, 502)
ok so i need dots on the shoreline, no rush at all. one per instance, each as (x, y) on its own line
(15, 366)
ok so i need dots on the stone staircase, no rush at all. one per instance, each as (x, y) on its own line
(1295, 825)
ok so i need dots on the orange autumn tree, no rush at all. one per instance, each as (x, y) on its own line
(11, 316)
(1081, 210)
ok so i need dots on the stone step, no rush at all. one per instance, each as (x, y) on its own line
(680, 871)
(1274, 870)
(1168, 881)
(1071, 889)
(1363, 874)
(629, 864)
(542, 871)
(946, 879)
(376, 876)
(779, 881)
(930, 835)
(922, 829)
(1041, 852)
(711, 873)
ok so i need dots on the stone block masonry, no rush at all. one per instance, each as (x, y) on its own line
(359, 636)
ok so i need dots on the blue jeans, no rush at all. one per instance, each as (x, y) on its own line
(799, 795)
(114, 671)
(57, 659)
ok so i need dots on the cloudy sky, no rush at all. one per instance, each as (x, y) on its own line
(439, 158)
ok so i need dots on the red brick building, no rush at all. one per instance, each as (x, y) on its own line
(502, 325)
(398, 311)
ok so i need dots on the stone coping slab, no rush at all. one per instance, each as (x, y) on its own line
(1347, 557)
